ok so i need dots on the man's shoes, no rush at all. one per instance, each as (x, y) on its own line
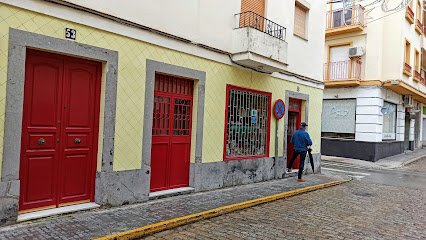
(301, 180)
(288, 169)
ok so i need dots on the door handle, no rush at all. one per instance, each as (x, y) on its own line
(41, 141)
(77, 140)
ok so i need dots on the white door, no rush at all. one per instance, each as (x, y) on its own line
(338, 67)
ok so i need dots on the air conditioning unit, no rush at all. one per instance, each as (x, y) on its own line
(408, 101)
(356, 52)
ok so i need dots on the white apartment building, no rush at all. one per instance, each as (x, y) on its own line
(374, 77)
(110, 102)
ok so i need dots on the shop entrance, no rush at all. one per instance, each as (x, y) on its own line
(294, 121)
(59, 131)
(171, 132)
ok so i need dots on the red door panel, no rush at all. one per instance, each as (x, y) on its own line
(61, 106)
(40, 132)
(171, 133)
(294, 121)
(40, 188)
(179, 164)
(159, 157)
(78, 130)
(75, 178)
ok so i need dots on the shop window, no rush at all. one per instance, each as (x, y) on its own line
(247, 123)
(389, 121)
(338, 118)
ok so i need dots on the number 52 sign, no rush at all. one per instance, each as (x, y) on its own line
(70, 33)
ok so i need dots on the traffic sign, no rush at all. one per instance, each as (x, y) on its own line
(279, 109)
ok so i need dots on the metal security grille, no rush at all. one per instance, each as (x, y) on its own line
(182, 117)
(161, 116)
(173, 85)
(247, 123)
(173, 98)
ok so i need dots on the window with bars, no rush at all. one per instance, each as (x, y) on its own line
(247, 123)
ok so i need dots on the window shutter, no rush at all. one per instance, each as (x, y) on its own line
(256, 6)
(300, 21)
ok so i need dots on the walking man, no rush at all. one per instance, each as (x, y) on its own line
(301, 141)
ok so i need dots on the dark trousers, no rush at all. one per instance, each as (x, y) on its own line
(302, 161)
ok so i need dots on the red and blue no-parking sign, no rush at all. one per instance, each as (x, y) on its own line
(279, 109)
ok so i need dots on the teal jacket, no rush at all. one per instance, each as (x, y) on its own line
(301, 140)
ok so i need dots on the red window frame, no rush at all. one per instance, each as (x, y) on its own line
(268, 127)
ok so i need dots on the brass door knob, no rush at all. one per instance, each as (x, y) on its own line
(77, 140)
(41, 141)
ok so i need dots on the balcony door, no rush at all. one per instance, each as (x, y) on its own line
(339, 63)
(253, 12)
(341, 17)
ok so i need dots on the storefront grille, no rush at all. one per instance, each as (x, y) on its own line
(247, 123)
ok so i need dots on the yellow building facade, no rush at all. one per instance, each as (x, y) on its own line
(126, 154)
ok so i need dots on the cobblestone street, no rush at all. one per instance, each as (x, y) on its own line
(357, 210)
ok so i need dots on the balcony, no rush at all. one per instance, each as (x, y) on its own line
(417, 76)
(419, 27)
(342, 21)
(423, 76)
(342, 73)
(409, 14)
(407, 69)
(259, 43)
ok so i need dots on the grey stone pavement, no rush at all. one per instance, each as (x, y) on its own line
(101, 222)
(373, 207)
(392, 162)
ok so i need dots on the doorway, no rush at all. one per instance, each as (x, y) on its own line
(59, 131)
(294, 121)
(171, 132)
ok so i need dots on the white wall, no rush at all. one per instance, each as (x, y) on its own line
(305, 56)
(212, 22)
(369, 118)
(202, 21)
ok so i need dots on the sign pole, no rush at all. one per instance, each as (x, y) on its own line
(276, 147)
(279, 111)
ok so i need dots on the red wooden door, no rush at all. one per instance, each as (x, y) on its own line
(294, 121)
(171, 133)
(59, 130)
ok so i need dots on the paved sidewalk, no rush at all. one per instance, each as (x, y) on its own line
(392, 162)
(101, 222)
(401, 160)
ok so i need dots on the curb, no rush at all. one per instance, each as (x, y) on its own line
(411, 161)
(180, 221)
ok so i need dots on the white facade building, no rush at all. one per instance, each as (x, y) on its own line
(377, 62)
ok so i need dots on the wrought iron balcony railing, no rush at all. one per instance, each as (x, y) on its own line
(254, 20)
(419, 26)
(417, 76)
(407, 69)
(346, 17)
(343, 70)
(409, 12)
